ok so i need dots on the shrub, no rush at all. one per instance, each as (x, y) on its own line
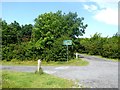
(97, 45)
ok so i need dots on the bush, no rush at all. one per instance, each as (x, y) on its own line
(97, 45)
(58, 51)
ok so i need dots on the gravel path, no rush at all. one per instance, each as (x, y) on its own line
(98, 74)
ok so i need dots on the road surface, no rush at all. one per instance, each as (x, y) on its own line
(99, 73)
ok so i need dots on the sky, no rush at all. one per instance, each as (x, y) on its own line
(100, 15)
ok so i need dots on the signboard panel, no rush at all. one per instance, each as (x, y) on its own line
(67, 42)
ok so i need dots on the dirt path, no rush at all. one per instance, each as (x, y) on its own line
(98, 74)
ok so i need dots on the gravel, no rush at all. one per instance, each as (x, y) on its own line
(100, 73)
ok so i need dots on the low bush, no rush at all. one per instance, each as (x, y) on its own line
(104, 46)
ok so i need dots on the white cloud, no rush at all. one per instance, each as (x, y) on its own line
(86, 7)
(104, 0)
(90, 8)
(108, 16)
(106, 11)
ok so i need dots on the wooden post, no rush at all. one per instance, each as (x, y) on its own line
(39, 64)
(76, 55)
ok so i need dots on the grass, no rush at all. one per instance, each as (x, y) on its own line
(115, 60)
(12, 79)
(73, 62)
(0, 79)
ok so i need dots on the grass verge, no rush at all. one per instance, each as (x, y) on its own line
(12, 79)
(115, 60)
(73, 62)
(0, 79)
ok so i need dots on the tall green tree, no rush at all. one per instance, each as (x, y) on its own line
(49, 27)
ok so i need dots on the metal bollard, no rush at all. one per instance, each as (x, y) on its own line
(39, 64)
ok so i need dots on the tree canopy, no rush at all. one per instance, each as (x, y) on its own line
(51, 27)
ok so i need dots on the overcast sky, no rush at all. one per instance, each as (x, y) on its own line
(100, 15)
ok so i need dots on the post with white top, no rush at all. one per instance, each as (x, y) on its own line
(76, 55)
(39, 64)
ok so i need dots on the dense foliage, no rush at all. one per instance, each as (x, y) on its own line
(44, 39)
(97, 45)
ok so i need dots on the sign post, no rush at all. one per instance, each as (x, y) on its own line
(67, 53)
(67, 42)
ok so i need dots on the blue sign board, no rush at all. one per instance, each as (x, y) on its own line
(67, 42)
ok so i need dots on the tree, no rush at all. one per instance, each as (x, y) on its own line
(4, 27)
(103, 46)
(26, 32)
(49, 27)
(11, 32)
